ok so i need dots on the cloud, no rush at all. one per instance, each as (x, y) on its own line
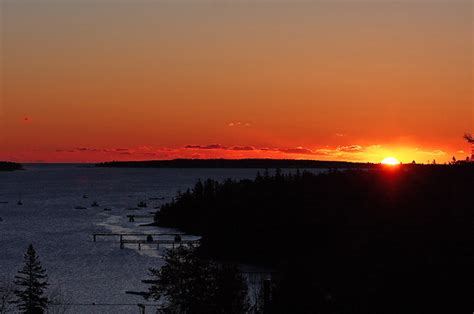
(327, 152)
(436, 152)
(87, 149)
(247, 148)
(238, 123)
(350, 149)
(211, 146)
(65, 151)
(374, 146)
(297, 150)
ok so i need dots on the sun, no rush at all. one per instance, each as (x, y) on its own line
(391, 161)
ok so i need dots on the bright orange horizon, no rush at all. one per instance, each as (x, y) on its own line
(89, 81)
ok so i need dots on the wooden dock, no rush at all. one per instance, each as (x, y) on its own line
(173, 243)
(176, 241)
(121, 235)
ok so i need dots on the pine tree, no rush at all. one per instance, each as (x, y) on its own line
(31, 283)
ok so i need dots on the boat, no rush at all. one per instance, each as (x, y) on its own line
(80, 207)
(19, 200)
(95, 204)
(142, 204)
(107, 209)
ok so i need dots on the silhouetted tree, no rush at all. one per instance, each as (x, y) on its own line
(468, 137)
(58, 301)
(6, 296)
(190, 284)
(31, 284)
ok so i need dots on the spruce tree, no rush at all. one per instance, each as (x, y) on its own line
(31, 283)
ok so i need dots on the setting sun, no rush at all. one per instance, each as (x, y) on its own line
(390, 161)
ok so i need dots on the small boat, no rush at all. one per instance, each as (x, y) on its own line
(95, 204)
(142, 204)
(107, 209)
(19, 200)
(80, 207)
(85, 196)
(133, 208)
(3, 202)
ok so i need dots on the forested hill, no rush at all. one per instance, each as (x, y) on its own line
(233, 163)
(392, 235)
(10, 166)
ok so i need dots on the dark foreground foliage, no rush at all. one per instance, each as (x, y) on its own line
(31, 284)
(387, 240)
(9, 166)
(188, 283)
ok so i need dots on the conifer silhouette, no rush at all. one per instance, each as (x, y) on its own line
(31, 282)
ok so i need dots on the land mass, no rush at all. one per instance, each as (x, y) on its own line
(10, 166)
(236, 163)
(343, 240)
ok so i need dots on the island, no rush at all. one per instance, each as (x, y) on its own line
(10, 166)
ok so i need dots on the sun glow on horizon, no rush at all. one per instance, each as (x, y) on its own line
(391, 161)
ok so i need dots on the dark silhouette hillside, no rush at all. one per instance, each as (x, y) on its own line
(234, 163)
(386, 240)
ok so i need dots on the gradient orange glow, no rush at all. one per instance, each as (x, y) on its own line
(86, 81)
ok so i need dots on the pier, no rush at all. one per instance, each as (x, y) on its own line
(173, 243)
(176, 241)
(133, 234)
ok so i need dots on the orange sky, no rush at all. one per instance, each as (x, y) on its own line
(85, 80)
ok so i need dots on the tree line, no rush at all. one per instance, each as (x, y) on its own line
(343, 241)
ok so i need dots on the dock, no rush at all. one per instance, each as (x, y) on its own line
(149, 239)
(173, 243)
(133, 234)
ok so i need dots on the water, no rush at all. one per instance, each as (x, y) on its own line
(85, 271)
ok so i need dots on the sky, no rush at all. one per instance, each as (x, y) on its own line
(99, 80)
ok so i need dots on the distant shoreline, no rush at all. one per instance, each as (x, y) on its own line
(10, 166)
(235, 163)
